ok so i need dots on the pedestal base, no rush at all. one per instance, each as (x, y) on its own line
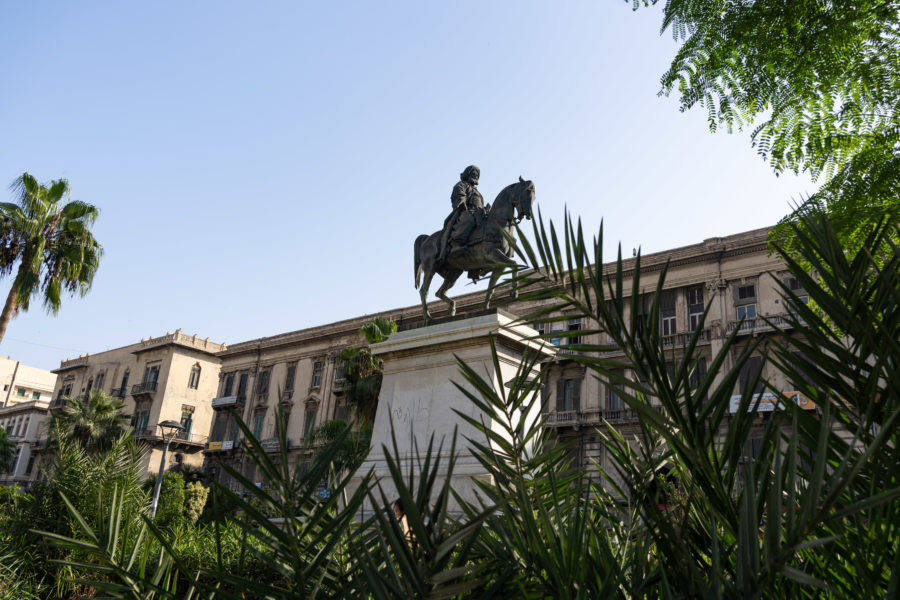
(419, 397)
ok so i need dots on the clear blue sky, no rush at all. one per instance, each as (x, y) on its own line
(264, 167)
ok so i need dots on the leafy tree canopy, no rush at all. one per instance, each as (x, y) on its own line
(818, 81)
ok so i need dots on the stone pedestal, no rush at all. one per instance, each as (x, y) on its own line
(418, 396)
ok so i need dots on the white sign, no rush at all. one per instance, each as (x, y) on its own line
(768, 402)
(224, 401)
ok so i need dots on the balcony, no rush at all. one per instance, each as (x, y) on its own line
(568, 418)
(119, 393)
(682, 339)
(591, 417)
(181, 438)
(758, 324)
(145, 388)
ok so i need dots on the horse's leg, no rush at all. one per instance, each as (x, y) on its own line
(450, 275)
(495, 275)
(514, 293)
(426, 283)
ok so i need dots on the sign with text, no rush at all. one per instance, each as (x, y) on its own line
(769, 401)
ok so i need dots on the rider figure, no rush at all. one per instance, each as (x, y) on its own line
(464, 197)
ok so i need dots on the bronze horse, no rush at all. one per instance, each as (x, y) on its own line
(493, 254)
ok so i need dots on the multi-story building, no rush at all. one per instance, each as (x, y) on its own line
(171, 377)
(22, 383)
(23, 422)
(736, 278)
(300, 375)
(26, 394)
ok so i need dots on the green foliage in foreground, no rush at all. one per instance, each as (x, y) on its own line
(815, 515)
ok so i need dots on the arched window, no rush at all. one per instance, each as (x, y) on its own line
(194, 381)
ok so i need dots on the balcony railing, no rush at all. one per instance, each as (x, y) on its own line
(683, 338)
(144, 387)
(566, 418)
(758, 324)
(119, 393)
(182, 437)
(591, 416)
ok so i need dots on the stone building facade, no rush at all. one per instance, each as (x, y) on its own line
(735, 277)
(26, 395)
(171, 377)
(299, 375)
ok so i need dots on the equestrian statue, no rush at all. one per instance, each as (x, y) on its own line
(475, 238)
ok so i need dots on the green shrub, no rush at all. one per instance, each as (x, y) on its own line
(195, 495)
(171, 506)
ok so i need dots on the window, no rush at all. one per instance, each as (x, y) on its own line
(795, 286)
(30, 467)
(187, 420)
(194, 379)
(289, 378)
(748, 311)
(613, 399)
(667, 313)
(90, 385)
(317, 374)
(229, 385)
(568, 395)
(220, 425)
(753, 445)
(745, 293)
(573, 325)
(151, 375)
(242, 386)
(101, 377)
(141, 419)
(262, 383)
(340, 371)
(235, 429)
(258, 419)
(614, 314)
(698, 373)
(695, 307)
(643, 314)
(555, 340)
(750, 376)
(20, 392)
(124, 388)
(309, 420)
(792, 305)
(539, 327)
(35, 395)
(745, 303)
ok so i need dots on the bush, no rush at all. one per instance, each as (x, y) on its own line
(195, 494)
(170, 508)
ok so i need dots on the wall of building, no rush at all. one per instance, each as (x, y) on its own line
(21, 383)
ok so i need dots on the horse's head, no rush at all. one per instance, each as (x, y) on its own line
(524, 198)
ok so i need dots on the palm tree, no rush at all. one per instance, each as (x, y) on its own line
(50, 241)
(95, 421)
(7, 450)
(363, 369)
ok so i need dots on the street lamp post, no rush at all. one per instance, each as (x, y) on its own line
(169, 430)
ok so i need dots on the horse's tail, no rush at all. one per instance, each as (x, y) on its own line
(417, 252)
